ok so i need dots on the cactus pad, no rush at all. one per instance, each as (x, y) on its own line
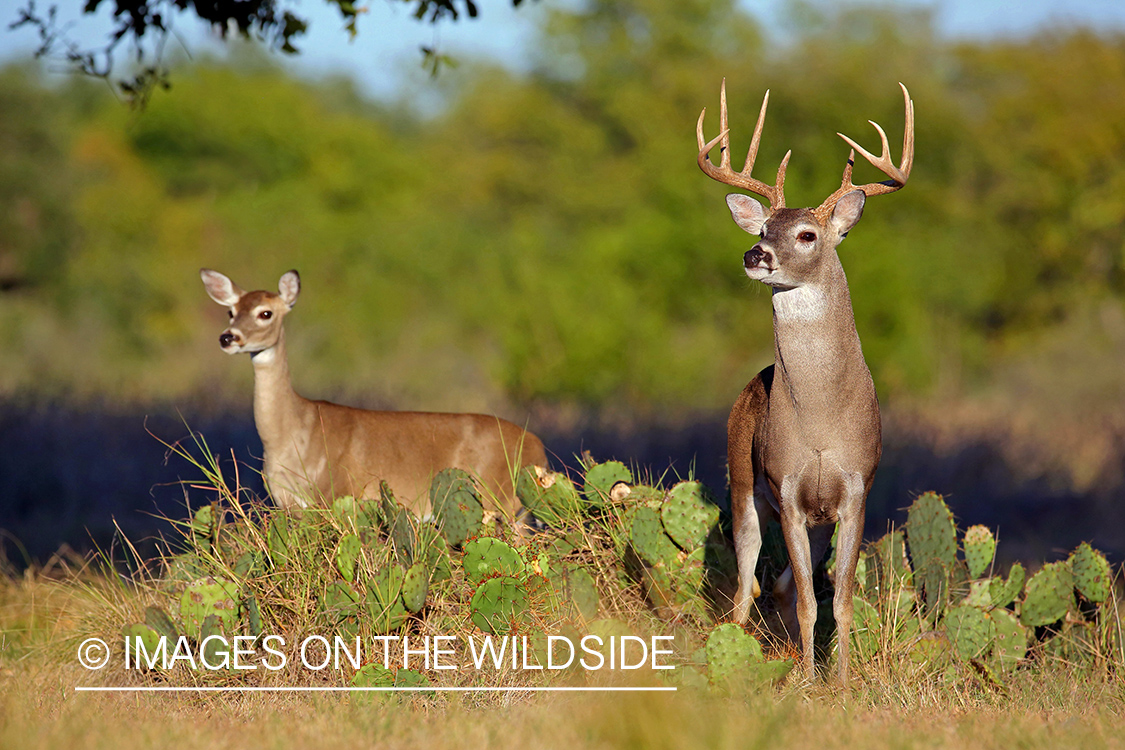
(980, 548)
(969, 629)
(576, 585)
(347, 552)
(150, 639)
(1004, 592)
(688, 514)
(212, 650)
(158, 620)
(499, 605)
(730, 650)
(486, 557)
(1010, 645)
(384, 599)
(1092, 576)
(415, 586)
(646, 533)
(601, 478)
(205, 597)
(550, 496)
(932, 538)
(1049, 594)
(456, 505)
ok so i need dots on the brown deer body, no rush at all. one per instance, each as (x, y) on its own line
(804, 437)
(316, 450)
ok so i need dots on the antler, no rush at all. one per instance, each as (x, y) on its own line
(775, 194)
(884, 164)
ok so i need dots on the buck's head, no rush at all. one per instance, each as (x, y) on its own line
(798, 244)
(794, 243)
(255, 317)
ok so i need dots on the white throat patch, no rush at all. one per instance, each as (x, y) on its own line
(800, 303)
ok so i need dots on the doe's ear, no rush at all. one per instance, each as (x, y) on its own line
(846, 212)
(219, 287)
(746, 212)
(289, 287)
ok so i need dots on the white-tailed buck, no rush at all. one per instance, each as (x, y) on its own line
(804, 437)
(316, 450)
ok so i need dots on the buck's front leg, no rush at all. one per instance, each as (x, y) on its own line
(848, 541)
(795, 530)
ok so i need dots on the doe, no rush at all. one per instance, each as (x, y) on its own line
(317, 450)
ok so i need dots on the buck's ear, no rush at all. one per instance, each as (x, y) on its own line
(289, 287)
(219, 287)
(746, 212)
(846, 212)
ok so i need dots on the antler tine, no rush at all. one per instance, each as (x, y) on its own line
(898, 175)
(724, 173)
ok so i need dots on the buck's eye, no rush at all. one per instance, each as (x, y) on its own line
(230, 314)
(265, 315)
(806, 237)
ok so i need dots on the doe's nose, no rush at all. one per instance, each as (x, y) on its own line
(753, 256)
(226, 338)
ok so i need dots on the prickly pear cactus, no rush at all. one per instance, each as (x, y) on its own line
(384, 599)
(456, 505)
(1004, 591)
(866, 628)
(253, 615)
(212, 649)
(158, 620)
(730, 652)
(980, 548)
(209, 596)
(932, 538)
(1010, 645)
(347, 552)
(415, 586)
(499, 605)
(575, 585)
(150, 639)
(601, 478)
(1049, 594)
(969, 629)
(688, 515)
(339, 602)
(486, 557)
(550, 496)
(646, 533)
(1092, 576)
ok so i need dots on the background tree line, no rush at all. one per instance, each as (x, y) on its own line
(546, 238)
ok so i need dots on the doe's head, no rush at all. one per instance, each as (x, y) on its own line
(255, 317)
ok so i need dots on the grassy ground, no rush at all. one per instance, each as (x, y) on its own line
(42, 618)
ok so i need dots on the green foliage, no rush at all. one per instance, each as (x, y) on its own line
(106, 216)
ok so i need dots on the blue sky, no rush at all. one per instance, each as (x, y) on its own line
(385, 54)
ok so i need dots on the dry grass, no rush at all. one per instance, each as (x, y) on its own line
(42, 619)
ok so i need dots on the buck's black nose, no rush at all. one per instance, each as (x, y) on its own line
(226, 339)
(753, 257)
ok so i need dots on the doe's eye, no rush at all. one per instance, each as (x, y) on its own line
(265, 315)
(806, 237)
(230, 314)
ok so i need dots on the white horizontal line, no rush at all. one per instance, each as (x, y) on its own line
(331, 689)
